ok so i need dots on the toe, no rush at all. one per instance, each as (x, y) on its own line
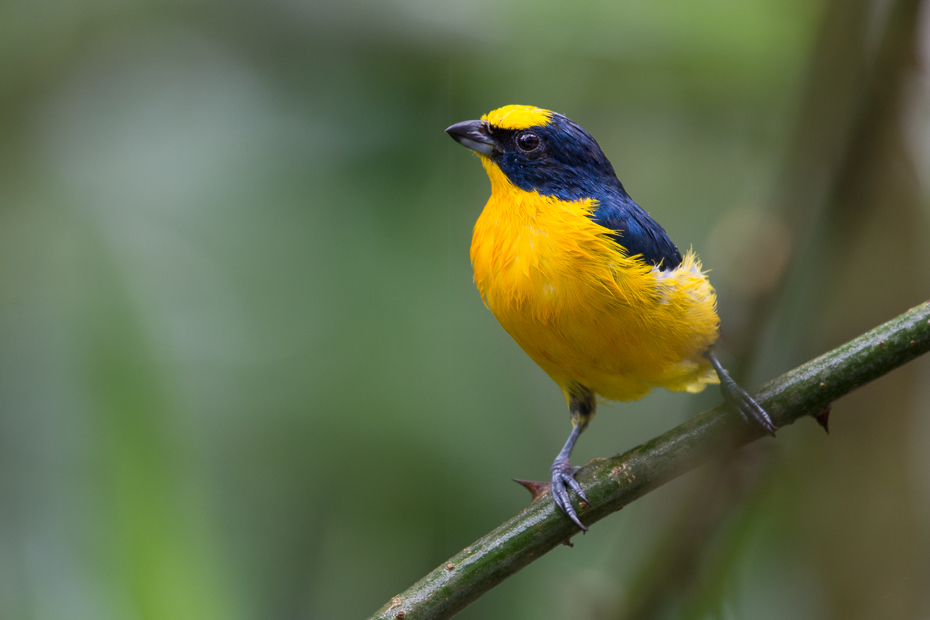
(559, 495)
(759, 415)
(748, 408)
(565, 505)
(576, 488)
(574, 517)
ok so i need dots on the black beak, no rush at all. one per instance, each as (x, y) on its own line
(476, 135)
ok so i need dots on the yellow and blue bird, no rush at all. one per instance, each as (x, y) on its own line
(584, 280)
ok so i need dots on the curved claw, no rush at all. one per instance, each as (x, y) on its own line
(562, 475)
(748, 408)
(739, 399)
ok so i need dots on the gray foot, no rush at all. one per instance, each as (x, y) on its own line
(744, 404)
(563, 474)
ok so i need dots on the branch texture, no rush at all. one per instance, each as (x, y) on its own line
(612, 483)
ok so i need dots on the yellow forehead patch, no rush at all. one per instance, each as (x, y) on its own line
(518, 117)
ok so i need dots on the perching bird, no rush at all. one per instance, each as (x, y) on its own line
(585, 281)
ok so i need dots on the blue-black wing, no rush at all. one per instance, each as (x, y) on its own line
(636, 231)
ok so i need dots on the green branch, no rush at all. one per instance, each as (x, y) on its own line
(614, 482)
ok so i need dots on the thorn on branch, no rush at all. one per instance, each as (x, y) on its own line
(823, 418)
(535, 487)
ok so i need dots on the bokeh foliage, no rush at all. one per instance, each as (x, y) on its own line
(244, 372)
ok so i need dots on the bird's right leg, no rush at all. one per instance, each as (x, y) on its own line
(582, 405)
(740, 400)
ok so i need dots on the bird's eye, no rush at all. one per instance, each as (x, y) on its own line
(527, 141)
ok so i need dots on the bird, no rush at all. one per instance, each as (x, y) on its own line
(584, 280)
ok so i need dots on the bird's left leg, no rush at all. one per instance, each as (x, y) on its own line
(740, 400)
(582, 405)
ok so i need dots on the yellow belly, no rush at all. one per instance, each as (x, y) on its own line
(583, 310)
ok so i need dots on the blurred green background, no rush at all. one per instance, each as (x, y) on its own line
(244, 371)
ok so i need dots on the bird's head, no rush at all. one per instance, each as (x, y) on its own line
(539, 150)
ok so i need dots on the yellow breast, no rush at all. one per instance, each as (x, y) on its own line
(583, 310)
